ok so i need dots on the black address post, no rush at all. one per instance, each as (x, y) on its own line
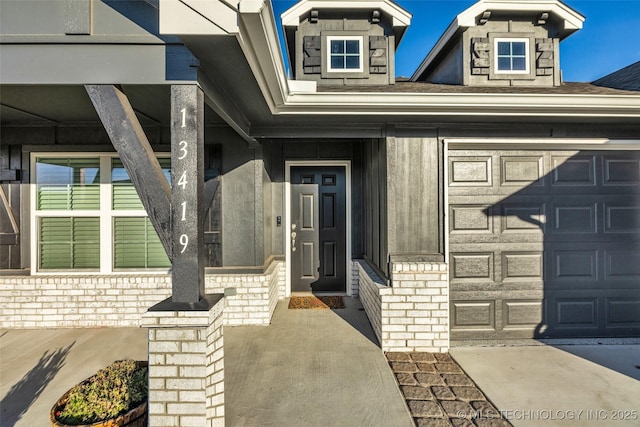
(187, 185)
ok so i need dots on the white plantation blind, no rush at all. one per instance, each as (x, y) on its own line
(70, 243)
(136, 244)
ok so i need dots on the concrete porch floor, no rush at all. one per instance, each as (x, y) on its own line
(323, 368)
(309, 368)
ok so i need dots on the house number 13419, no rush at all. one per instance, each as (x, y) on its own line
(182, 182)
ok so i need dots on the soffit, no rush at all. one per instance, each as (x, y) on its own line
(67, 104)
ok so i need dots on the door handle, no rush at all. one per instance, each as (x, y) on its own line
(293, 238)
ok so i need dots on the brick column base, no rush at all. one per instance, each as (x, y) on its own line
(186, 366)
(418, 307)
(413, 313)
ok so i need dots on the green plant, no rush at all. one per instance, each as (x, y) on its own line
(110, 392)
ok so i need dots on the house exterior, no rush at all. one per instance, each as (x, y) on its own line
(159, 167)
(159, 149)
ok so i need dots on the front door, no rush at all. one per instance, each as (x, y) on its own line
(318, 229)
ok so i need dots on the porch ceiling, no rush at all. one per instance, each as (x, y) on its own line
(61, 104)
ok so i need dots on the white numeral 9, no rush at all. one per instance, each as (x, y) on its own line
(184, 241)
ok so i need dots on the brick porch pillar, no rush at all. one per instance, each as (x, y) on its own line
(186, 364)
(415, 309)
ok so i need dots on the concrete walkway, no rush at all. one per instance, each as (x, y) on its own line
(310, 368)
(563, 385)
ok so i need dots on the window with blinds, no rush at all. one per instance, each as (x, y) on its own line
(90, 218)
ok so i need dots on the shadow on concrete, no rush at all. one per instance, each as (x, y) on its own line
(619, 357)
(26, 391)
(354, 315)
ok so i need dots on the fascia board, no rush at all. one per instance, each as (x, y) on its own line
(572, 19)
(260, 44)
(543, 143)
(197, 17)
(512, 105)
(400, 17)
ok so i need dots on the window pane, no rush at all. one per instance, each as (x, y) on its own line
(67, 183)
(67, 243)
(337, 46)
(519, 64)
(337, 62)
(517, 48)
(504, 63)
(353, 62)
(123, 192)
(353, 46)
(136, 244)
(504, 48)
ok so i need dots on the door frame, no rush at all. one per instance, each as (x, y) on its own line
(288, 164)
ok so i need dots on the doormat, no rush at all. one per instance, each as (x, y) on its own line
(313, 302)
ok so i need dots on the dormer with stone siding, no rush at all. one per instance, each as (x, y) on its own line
(502, 43)
(336, 42)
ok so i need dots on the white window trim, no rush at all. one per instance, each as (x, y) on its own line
(527, 56)
(360, 68)
(106, 213)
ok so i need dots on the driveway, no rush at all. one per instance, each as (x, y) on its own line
(559, 385)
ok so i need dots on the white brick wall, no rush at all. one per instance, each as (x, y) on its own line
(355, 278)
(121, 300)
(413, 313)
(370, 286)
(186, 367)
(256, 294)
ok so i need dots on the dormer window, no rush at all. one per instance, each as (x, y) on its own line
(511, 56)
(345, 54)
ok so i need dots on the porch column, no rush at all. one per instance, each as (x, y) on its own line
(187, 190)
(186, 365)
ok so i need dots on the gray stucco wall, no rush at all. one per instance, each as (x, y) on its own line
(241, 184)
(451, 69)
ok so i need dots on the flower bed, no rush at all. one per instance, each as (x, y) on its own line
(113, 396)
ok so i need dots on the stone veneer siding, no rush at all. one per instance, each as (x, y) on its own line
(120, 300)
(186, 367)
(413, 313)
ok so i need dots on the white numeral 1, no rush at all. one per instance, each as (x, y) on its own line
(184, 117)
(184, 211)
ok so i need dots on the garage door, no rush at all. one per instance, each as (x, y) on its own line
(544, 244)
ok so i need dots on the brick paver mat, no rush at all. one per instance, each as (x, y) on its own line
(439, 393)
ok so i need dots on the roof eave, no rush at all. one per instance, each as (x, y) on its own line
(457, 104)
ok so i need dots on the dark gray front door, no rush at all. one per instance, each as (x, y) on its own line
(318, 229)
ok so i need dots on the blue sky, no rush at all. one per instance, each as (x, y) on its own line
(608, 41)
